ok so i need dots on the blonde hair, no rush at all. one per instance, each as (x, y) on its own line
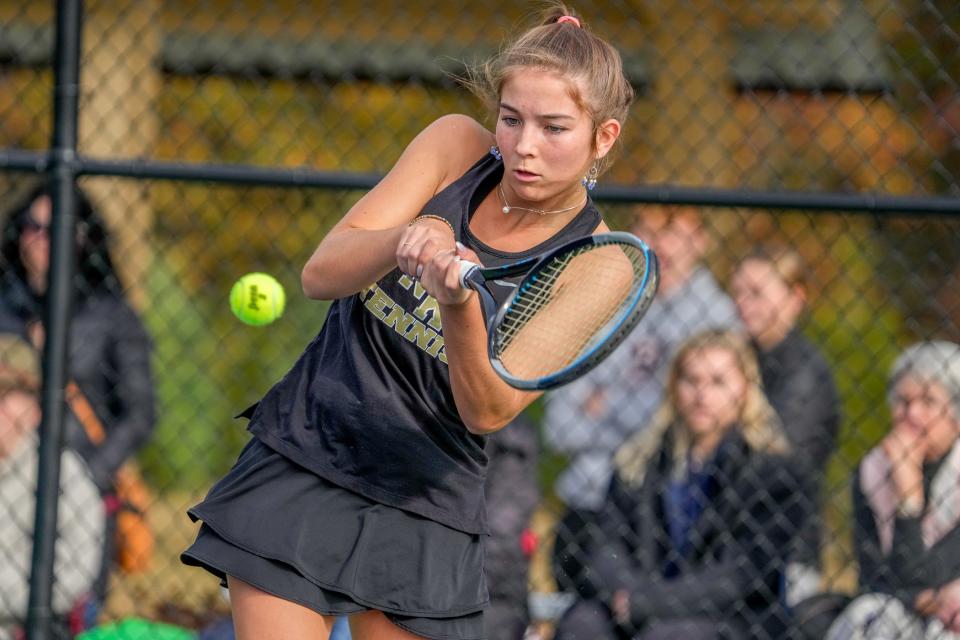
(568, 49)
(758, 422)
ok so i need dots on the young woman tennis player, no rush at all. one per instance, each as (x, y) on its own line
(361, 492)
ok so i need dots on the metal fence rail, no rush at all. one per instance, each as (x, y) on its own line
(213, 139)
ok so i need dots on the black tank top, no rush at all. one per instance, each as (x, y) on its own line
(368, 404)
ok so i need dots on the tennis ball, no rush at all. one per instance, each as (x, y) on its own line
(257, 299)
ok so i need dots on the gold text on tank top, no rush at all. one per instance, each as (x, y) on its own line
(420, 327)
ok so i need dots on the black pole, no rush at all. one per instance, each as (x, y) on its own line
(63, 171)
(872, 203)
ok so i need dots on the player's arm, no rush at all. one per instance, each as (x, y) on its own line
(362, 246)
(484, 401)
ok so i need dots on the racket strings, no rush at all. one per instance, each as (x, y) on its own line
(534, 297)
(574, 302)
(561, 341)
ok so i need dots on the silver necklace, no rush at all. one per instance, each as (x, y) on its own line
(540, 212)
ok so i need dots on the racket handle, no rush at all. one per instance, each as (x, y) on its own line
(466, 267)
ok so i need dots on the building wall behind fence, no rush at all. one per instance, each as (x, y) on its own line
(831, 96)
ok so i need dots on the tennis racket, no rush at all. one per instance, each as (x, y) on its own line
(575, 304)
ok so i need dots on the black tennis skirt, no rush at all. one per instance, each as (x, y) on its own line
(286, 531)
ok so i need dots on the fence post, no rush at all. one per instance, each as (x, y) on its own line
(63, 169)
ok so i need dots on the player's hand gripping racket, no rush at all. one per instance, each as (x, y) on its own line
(573, 307)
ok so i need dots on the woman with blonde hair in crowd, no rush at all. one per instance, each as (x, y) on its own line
(703, 503)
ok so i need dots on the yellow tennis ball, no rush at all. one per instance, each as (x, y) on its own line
(257, 299)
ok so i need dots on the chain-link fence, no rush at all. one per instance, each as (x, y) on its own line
(217, 138)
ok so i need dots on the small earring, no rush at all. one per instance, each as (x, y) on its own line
(495, 152)
(590, 180)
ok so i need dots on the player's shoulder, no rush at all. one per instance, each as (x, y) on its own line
(458, 138)
(451, 144)
(462, 125)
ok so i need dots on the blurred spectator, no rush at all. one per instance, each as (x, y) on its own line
(770, 290)
(906, 494)
(512, 493)
(109, 356)
(80, 515)
(110, 348)
(590, 418)
(703, 503)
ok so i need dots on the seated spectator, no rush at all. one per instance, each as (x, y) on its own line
(590, 418)
(109, 346)
(80, 515)
(690, 542)
(770, 290)
(906, 495)
(108, 361)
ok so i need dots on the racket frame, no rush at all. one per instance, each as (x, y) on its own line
(475, 277)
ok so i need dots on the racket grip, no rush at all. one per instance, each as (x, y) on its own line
(465, 268)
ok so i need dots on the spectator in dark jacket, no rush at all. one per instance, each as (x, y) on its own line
(906, 495)
(109, 356)
(691, 541)
(512, 493)
(770, 290)
(109, 347)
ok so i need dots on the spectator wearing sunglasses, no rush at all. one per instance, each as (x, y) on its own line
(109, 348)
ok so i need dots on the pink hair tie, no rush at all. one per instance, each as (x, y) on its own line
(569, 19)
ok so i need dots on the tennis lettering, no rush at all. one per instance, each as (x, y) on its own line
(420, 327)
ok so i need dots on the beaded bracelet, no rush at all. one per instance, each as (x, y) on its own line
(428, 216)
